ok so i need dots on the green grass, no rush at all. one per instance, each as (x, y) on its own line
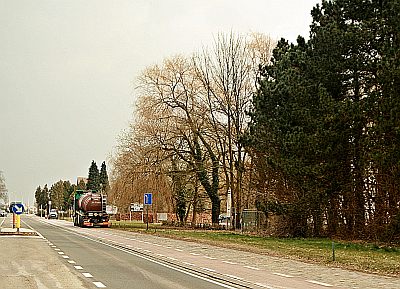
(359, 256)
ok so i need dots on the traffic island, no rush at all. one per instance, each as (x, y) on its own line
(16, 232)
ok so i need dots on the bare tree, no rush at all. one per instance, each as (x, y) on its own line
(3, 188)
(228, 73)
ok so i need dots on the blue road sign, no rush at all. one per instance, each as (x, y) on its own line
(18, 209)
(148, 199)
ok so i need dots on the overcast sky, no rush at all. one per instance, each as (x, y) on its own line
(68, 69)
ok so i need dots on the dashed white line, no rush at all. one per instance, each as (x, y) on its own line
(190, 264)
(233, 276)
(283, 275)
(65, 257)
(87, 275)
(71, 262)
(78, 267)
(61, 253)
(208, 269)
(56, 249)
(229, 262)
(263, 285)
(195, 254)
(179, 250)
(99, 285)
(252, 268)
(320, 283)
(211, 258)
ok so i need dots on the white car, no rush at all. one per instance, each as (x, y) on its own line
(53, 214)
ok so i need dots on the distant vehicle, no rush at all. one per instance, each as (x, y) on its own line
(53, 214)
(90, 209)
(3, 213)
(224, 220)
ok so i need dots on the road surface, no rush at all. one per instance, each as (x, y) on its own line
(107, 258)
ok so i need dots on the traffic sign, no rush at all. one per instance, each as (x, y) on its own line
(148, 199)
(18, 209)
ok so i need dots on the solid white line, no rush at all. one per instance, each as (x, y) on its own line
(78, 267)
(320, 283)
(283, 275)
(99, 285)
(87, 275)
(252, 268)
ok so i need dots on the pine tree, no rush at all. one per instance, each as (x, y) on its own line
(326, 118)
(103, 178)
(93, 178)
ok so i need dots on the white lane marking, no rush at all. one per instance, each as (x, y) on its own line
(252, 268)
(87, 275)
(283, 275)
(56, 249)
(53, 246)
(161, 255)
(264, 285)
(320, 283)
(233, 276)
(71, 262)
(147, 251)
(173, 259)
(208, 269)
(158, 245)
(78, 267)
(179, 250)
(195, 254)
(65, 257)
(146, 258)
(99, 285)
(187, 263)
(61, 253)
(229, 262)
(211, 258)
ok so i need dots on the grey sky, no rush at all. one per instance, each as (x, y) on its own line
(68, 68)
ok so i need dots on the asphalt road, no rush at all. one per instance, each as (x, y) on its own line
(112, 265)
(108, 258)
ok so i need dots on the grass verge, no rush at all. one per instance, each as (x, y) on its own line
(360, 256)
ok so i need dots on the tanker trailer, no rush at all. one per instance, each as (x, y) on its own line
(90, 209)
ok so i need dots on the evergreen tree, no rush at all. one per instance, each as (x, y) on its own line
(103, 178)
(326, 119)
(93, 178)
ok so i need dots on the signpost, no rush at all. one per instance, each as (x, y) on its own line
(18, 209)
(148, 201)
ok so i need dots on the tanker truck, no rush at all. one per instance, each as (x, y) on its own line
(90, 209)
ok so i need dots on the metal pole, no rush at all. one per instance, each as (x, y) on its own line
(333, 251)
(147, 213)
